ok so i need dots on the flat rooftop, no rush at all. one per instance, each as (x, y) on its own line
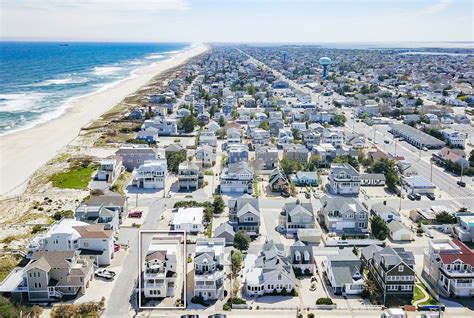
(417, 134)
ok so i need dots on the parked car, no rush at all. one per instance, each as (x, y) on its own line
(285, 194)
(386, 141)
(461, 184)
(417, 196)
(394, 313)
(411, 197)
(104, 273)
(116, 247)
(307, 195)
(425, 149)
(431, 196)
(135, 214)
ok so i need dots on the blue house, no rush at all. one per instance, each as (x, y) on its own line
(150, 135)
(238, 153)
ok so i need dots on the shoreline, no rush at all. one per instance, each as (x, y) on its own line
(25, 151)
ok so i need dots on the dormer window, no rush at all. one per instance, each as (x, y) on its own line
(279, 276)
(400, 268)
(297, 256)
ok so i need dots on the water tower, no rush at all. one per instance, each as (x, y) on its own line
(325, 62)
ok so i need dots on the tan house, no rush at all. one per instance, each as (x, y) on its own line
(55, 274)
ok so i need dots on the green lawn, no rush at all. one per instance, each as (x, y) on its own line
(75, 178)
(7, 264)
(418, 294)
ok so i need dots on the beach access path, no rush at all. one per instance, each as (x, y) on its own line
(23, 152)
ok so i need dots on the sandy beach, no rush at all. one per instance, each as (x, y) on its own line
(23, 152)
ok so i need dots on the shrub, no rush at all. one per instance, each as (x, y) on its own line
(294, 293)
(63, 214)
(284, 292)
(324, 301)
(227, 307)
(237, 301)
(310, 315)
(37, 228)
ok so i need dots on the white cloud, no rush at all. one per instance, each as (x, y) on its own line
(110, 5)
(439, 6)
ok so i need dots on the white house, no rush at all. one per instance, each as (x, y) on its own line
(344, 179)
(454, 137)
(189, 220)
(209, 273)
(151, 174)
(160, 267)
(92, 240)
(399, 231)
(343, 272)
(269, 271)
(237, 178)
(109, 170)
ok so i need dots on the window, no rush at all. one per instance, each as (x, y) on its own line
(279, 276)
(86, 244)
(392, 287)
(407, 287)
(400, 268)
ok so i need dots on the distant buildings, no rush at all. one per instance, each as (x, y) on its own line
(455, 138)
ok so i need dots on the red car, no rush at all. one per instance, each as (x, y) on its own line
(116, 247)
(135, 214)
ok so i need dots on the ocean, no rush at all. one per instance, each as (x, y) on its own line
(39, 80)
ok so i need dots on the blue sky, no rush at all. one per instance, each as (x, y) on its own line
(238, 20)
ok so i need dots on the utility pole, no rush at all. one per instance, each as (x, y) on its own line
(375, 130)
(431, 171)
(396, 147)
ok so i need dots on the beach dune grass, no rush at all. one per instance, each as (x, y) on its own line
(7, 264)
(76, 177)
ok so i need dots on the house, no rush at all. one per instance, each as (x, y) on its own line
(163, 126)
(355, 140)
(151, 174)
(209, 273)
(372, 179)
(225, 231)
(259, 137)
(311, 138)
(206, 155)
(213, 126)
(455, 138)
(296, 152)
(109, 170)
(160, 267)
(285, 136)
(416, 137)
(333, 136)
(237, 153)
(343, 272)
(237, 178)
(174, 148)
(52, 275)
(92, 241)
(234, 136)
(310, 236)
(394, 273)
(98, 214)
(326, 152)
(417, 184)
(244, 214)
(449, 266)
(150, 135)
(344, 179)
(301, 258)
(296, 215)
(268, 156)
(343, 215)
(456, 156)
(305, 178)
(208, 138)
(134, 155)
(189, 176)
(203, 118)
(113, 202)
(268, 272)
(278, 182)
(464, 229)
(399, 231)
(189, 220)
(385, 212)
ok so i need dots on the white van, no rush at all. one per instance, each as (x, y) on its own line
(394, 313)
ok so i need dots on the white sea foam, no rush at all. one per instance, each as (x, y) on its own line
(106, 70)
(62, 81)
(20, 102)
(154, 56)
